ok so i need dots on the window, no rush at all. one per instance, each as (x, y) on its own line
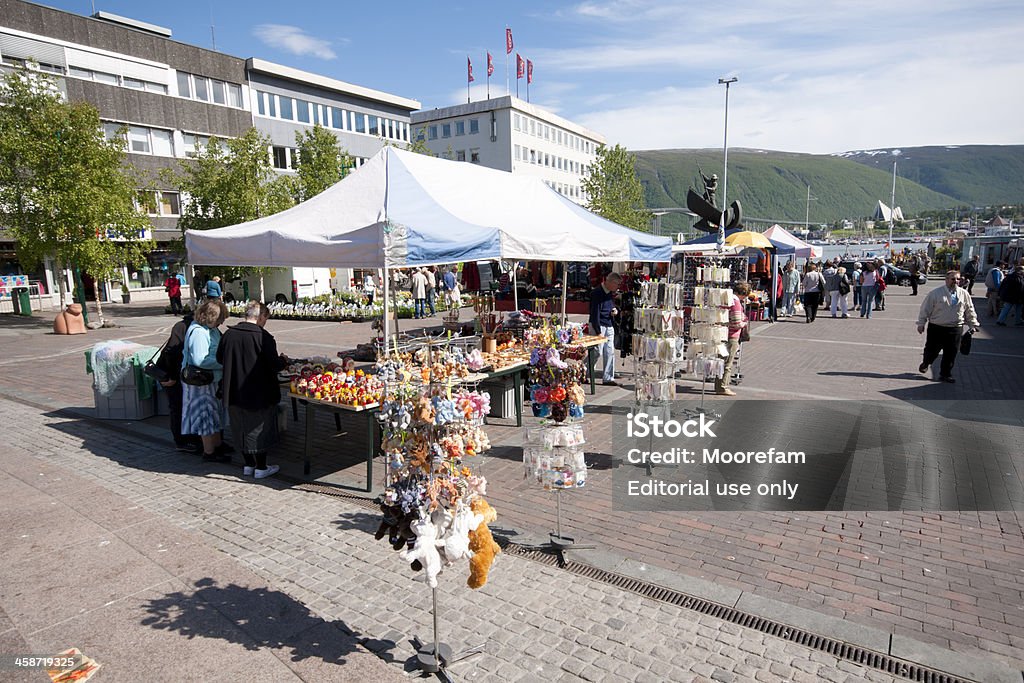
(360, 123)
(201, 88)
(146, 203)
(474, 156)
(193, 144)
(421, 135)
(318, 117)
(517, 154)
(234, 95)
(217, 88)
(287, 109)
(170, 204)
(156, 87)
(516, 122)
(460, 155)
(162, 143)
(110, 130)
(432, 132)
(446, 130)
(272, 104)
(280, 157)
(302, 111)
(134, 83)
(338, 117)
(109, 79)
(460, 127)
(261, 107)
(374, 125)
(184, 85)
(474, 126)
(138, 140)
(532, 130)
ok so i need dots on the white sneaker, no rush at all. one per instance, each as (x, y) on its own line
(247, 471)
(270, 471)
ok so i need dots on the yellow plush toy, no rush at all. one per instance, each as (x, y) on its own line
(481, 542)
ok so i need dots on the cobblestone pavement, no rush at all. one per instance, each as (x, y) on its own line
(955, 580)
(537, 623)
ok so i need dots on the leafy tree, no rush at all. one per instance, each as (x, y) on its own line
(419, 144)
(322, 162)
(613, 189)
(64, 189)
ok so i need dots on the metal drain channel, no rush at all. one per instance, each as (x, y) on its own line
(836, 648)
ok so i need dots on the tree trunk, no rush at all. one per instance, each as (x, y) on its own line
(61, 280)
(263, 296)
(99, 306)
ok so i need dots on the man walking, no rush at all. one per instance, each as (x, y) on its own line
(1011, 293)
(431, 289)
(915, 269)
(790, 287)
(172, 285)
(418, 287)
(250, 387)
(945, 310)
(881, 280)
(602, 313)
(970, 271)
(993, 281)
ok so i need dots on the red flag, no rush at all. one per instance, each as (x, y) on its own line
(469, 69)
(529, 72)
(490, 65)
(508, 41)
(520, 66)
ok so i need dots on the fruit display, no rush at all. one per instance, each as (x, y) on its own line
(352, 388)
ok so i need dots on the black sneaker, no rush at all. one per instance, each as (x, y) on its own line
(216, 457)
(224, 449)
(947, 380)
(190, 448)
(923, 367)
(610, 383)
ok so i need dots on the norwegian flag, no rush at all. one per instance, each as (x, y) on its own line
(520, 66)
(490, 65)
(508, 41)
(469, 69)
(529, 72)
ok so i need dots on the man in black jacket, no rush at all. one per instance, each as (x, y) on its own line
(250, 388)
(170, 362)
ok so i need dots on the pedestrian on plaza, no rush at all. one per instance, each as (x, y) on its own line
(602, 321)
(814, 286)
(838, 288)
(993, 280)
(452, 292)
(828, 273)
(945, 310)
(202, 410)
(868, 285)
(790, 287)
(418, 287)
(737, 321)
(172, 285)
(369, 288)
(970, 272)
(213, 288)
(1011, 293)
(431, 274)
(881, 283)
(914, 266)
(170, 362)
(250, 387)
(856, 286)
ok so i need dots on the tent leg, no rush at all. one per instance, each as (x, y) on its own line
(565, 282)
(386, 326)
(515, 287)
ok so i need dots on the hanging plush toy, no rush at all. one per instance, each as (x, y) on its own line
(456, 539)
(482, 544)
(477, 485)
(425, 551)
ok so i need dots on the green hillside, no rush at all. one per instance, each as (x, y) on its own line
(979, 175)
(773, 185)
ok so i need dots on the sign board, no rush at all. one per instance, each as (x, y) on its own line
(9, 282)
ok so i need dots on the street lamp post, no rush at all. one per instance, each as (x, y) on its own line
(725, 171)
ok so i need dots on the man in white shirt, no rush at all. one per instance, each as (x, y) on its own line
(946, 310)
(418, 288)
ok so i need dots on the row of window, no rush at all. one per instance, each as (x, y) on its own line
(532, 156)
(114, 79)
(157, 141)
(293, 109)
(203, 89)
(539, 129)
(571, 191)
(459, 127)
(460, 155)
(287, 158)
(158, 203)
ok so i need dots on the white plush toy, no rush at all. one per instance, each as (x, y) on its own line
(456, 540)
(477, 485)
(426, 549)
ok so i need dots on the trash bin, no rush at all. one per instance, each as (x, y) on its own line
(20, 301)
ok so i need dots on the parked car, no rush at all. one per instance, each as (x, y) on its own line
(895, 275)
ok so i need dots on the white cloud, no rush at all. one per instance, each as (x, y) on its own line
(294, 40)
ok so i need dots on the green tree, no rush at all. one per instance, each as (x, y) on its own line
(613, 189)
(322, 162)
(64, 189)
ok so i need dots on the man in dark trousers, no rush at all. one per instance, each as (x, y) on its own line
(945, 310)
(170, 362)
(250, 388)
(602, 314)
(970, 272)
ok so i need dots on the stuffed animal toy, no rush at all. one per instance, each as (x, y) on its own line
(477, 485)
(423, 411)
(481, 542)
(576, 395)
(425, 551)
(456, 539)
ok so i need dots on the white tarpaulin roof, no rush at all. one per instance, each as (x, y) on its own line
(779, 235)
(406, 209)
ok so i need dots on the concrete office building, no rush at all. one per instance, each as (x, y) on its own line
(173, 97)
(509, 134)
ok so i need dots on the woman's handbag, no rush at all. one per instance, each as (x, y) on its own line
(194, 375)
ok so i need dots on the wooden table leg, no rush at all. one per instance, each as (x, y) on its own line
(295, 409)
(371, 448)
(517, 380)
(591, 358)
(310, 423)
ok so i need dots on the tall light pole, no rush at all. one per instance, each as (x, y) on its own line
(807, 214)
(892, 206)
(725, 171)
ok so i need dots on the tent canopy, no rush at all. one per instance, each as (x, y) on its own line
(712, 238)
(780, 236)
(405, 209)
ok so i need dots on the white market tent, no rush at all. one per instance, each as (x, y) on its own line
(779, 236)
(405, 209)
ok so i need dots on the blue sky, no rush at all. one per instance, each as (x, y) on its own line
(820, 77)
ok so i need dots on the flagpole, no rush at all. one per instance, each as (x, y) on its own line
(507, 51)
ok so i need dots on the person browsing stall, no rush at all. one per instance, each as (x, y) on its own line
(737, 321)
(602, 314)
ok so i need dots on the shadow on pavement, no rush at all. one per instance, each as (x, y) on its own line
(27, 321)
(361, 521)
(874, 375)
(254, 618)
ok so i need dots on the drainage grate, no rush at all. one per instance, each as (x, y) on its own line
(332, 491)
(836, 648)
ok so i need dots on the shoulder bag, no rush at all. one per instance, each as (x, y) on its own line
(192, 374)
(154, 371)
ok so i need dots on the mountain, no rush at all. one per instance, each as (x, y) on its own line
(773, 185)
(979, 175)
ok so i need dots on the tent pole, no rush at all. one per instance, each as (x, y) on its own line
(386, 327)
(515, 287)
(565, 282)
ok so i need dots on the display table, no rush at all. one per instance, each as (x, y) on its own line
(312, 405)
(515, 373)
(121, 390)
(591, 344)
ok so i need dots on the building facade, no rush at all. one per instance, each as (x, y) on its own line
(511, 135)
